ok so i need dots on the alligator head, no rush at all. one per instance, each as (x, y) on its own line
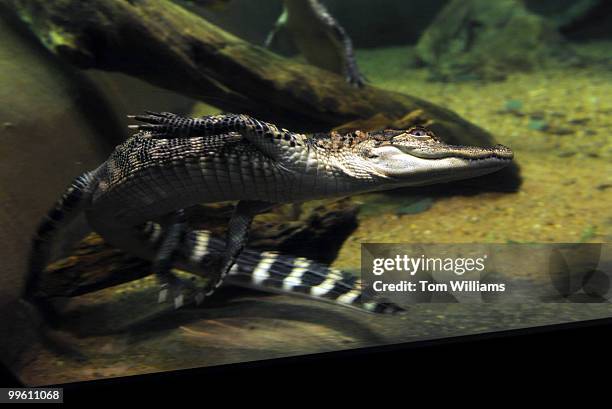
(413, 157)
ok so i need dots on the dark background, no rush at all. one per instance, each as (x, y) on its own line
(394, 22)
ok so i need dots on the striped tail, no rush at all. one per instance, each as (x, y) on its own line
(274, 272)
(62, 225)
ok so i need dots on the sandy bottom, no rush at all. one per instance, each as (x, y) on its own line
(558, 122)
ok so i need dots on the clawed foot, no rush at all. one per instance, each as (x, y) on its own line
(356, 80)
(158, 123)
(154, 117)
(180, 292)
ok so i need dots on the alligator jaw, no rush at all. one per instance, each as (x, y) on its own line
(444, 163)
(457, 151)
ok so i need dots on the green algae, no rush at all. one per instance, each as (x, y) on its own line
(588, 233)
(514, 105)
(537, 124)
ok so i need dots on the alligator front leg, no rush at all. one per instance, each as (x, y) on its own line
(237, 237)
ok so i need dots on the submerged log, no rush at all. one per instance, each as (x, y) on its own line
(167, 45)
(318, 234)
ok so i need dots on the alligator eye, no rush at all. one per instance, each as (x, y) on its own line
(372, 155)
(420, 133)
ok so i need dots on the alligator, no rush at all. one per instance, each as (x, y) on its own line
(319, 38)
(136, 199)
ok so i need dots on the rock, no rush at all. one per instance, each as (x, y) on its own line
(481, 39)
(56, 125)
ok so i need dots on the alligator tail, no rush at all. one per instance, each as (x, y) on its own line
(279, 273)
(47, 245)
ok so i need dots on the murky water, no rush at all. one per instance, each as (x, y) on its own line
(534, 77)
